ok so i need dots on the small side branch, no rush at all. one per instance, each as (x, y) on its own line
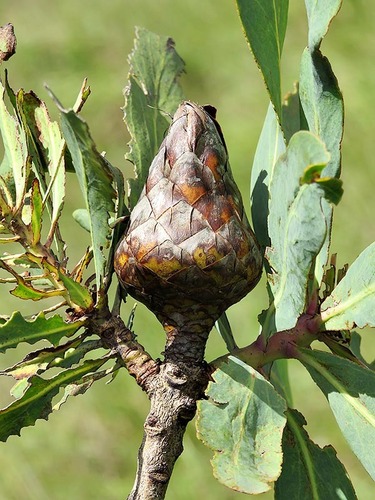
(117, 337)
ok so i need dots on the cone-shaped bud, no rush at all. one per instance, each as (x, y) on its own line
(189, 245)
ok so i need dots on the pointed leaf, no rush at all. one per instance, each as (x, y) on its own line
(319, 15)
(352, 302)
(350, 390)
(95, 180)
(264, 24)
(17, 329)
(270, 147)
(153, 91)
(79, 294)
(36, 402)
(223, 327)
(242, 421)
(25, 291)
(297, 227)
(309, 472)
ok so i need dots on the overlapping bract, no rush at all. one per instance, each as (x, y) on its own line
(189, 241)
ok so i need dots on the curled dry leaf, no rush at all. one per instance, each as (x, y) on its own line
(8, 42)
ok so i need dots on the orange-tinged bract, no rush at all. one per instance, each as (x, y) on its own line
(189, 251)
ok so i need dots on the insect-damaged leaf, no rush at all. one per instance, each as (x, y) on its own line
(62, 356)
(243, 421)
(322, 104)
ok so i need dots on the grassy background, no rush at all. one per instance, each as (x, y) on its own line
(88, 449)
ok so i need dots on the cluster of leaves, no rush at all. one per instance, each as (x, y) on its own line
(257, 436)
(38, 154)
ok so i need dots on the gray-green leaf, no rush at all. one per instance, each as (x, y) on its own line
(319, 15)
(270, 147)
(297, 226)
(243, 421)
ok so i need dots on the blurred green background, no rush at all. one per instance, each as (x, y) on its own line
(88, 449)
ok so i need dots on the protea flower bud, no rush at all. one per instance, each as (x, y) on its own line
(189, 252)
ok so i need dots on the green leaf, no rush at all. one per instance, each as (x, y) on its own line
(270, 147)
(350, 390)
(36, 403)
(81, 386)
(36, 211)
(25, 291)
(352, 302)
(331, 186)
(264, 24)
(319, 15)
(297, 227)
(223, 327)
(95, 180)
(17, 329)
(79, 294)
(279, 377)
(242, 421)
(153, 92)
(308, 471)
(15, 166)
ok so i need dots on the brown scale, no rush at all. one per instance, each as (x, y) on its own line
(189, 252)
